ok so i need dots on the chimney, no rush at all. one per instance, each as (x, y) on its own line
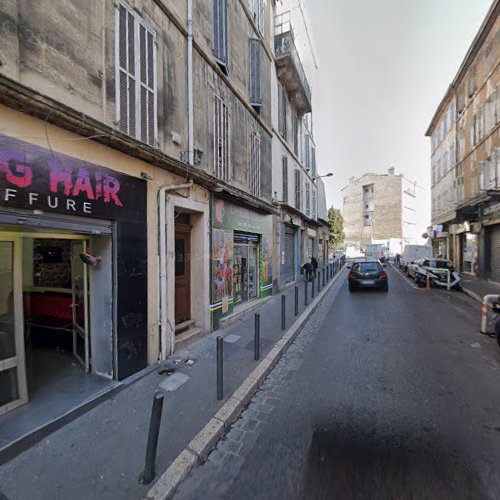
(391, 170)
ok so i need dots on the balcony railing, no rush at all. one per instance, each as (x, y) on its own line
(290, 70)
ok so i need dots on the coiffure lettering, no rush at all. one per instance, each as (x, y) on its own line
(64, 188)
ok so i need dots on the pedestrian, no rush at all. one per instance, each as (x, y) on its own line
(308, 269)
(314, 264)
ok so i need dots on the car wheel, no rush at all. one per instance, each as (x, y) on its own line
(385, 288)
(497, 332)
(352, 288)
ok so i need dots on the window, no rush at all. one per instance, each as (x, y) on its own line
(255, 77)
(445, 162)
(282, 112)
(445, 125)
(256, 8)
(255, 165)
(219, 33)
(452, 114)
(135, 76)
(313, 161)
(295, 133)
(297, 190)
(452, 155)
(308, 200)
(221, 139)
(284, 177)
(307, 152)
(313, 203)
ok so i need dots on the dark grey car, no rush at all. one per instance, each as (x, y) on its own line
(368, 274)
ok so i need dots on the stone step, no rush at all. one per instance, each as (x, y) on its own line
(185, 338)
(184, 325)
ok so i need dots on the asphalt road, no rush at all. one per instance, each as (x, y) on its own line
(383, 395)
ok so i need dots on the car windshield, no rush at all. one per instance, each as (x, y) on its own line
(366, 267)
(441, 264)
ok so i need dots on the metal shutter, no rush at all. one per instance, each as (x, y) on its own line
(495, 252)
(289, 269)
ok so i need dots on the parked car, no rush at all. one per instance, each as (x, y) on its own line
(368, 274)
(413, 252)
(437, 270)
(411, 267)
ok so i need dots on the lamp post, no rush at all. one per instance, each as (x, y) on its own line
(329, 174)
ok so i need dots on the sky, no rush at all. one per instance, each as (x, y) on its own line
(384, 66)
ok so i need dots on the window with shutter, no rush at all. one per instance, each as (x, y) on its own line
(282, 112)
(255, 165)
(219, 33)
(295, 133)
(135, 76)
(307, 152)
(313, 203)
(313, 161)
(256, 8)
(298, 188)
(308, 201)
(255, 78)
(284, 176)
(221, 140)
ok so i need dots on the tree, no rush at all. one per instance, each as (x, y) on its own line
(336, 222)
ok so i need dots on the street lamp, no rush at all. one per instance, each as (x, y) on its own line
(329, 174)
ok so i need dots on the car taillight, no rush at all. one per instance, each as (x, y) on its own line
(351, 276)
(383, 275)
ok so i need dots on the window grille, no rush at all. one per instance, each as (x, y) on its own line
(221, 139)
(255, 165)
(219, 33)
(135, 76)
(284, 176)
(255, 69)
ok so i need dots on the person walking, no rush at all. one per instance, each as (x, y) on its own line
(308, 270)
(314, 264)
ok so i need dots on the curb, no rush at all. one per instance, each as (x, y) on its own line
(473, 295)
(206, 440)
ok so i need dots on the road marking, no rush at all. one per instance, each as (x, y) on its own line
(407, 279)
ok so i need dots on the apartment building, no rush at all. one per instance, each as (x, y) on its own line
(466, 217)
(302, 234)
(135, 182)
(380, 208)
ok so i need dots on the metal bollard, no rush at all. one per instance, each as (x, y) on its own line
(148, 473)
(318, 278)
(306, 288)
(296, 300)
(312, 288)
(283, 316)
(324, 278)
(220, 368)
(256, 347)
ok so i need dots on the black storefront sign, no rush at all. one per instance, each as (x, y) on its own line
(36, 178)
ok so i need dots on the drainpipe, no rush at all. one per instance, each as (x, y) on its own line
(162, 249)
(190, 82)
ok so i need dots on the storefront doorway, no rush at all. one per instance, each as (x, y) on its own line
(245, 267)
(53, 307)
(182, 270)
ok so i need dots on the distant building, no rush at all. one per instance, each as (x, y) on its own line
(380, 208)
(465, 186)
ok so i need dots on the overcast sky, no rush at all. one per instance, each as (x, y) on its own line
(384, 66)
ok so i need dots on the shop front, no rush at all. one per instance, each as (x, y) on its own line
(73, 274)
(241, 260)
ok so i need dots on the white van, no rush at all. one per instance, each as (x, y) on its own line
(413, 252)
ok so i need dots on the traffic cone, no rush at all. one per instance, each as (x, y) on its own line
(427, 282)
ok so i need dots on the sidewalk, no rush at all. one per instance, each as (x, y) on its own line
(478, 288)
(101, 454)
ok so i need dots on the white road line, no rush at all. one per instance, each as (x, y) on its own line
(407, 279)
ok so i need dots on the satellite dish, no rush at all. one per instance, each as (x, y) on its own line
(425, 235)
(90, 260)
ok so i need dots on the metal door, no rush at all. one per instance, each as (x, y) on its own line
(80, 305)
(495, 253)
(13, 385)
(289, 269)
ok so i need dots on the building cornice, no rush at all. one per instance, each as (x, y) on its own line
(31, 102)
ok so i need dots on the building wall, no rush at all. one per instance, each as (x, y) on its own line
(387, 208)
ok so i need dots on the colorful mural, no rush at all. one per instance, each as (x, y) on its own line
(228, 218)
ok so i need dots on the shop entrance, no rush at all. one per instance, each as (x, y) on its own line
(246, 267)
(182, 271)
(45, 320)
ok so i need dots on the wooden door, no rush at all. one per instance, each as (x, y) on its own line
(182, 273)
